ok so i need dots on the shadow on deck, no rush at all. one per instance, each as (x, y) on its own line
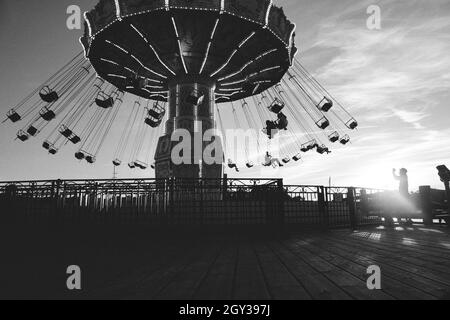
(414, 261)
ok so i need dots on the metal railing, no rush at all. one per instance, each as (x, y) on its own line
(188, 202)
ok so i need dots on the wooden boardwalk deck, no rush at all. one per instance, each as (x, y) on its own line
(414, 261)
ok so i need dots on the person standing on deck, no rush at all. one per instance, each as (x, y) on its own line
(403, 187)
(404, 184)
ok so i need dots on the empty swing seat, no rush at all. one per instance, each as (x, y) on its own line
(52, 150)
(65, 131)
(155, 115)
(297, 157)
(22, 136)
(345, 140)
(352, 124)
(286, 160)
(276, 106)
(46, 145)
(104, 101)
(323, 123)
(13, 116)
(90, 159)
(141, 165)
(325, 104)
(32, 131)
(48, 95)
(249, 165)
(334, 137)
(153, 123)
(132, 165)
(153, 166)
(117, 162)
(79, 155)
(75, 139)
(47, 114)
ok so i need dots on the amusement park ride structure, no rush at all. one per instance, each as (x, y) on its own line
(185, 62)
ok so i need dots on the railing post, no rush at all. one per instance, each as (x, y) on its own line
(322, 207)
(224, 187)
(352, 208)
(426, 204)
(280, 203)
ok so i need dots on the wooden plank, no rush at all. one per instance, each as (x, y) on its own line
(353, 286)
(390, 285)
(249, 283)
(367, 258)
(280, 282)
(218, 283)
(316, 284)
(183, 285)
(398, 259)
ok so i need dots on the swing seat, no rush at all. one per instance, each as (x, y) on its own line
(322, 149)
(325, 105)
(90, 159)
(75, 139)
(104, 101)
(195, 99)
(32, 131)
(46, 145)
(66, 132)
(48, 95)
(155, 114)
(105, 104)
(52, 150)
(309, 146)
(22, 136)
(231, 164)
(276, 106)
(323, 123)
(46, 114)
(132, 165)
(80, 155)
(141, 165)
(117, 163)
(153, 123)
(13, 116)
(153, 166)
(249, 165)
(345, 140)
(352, 124)
(286, 160)
(334, 137)
(297, 158)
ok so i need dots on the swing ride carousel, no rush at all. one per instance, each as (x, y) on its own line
(189, 64)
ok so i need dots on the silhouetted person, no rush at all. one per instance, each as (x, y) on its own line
(270, 161)
(282, 122)
(403, 181)
(403, 187)
(270, 129)
(232, 165)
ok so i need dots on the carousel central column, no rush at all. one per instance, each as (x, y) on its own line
(191, 107)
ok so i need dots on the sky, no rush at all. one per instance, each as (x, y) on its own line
(395, 81)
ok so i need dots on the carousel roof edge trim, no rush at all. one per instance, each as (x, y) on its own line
(265, 13)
